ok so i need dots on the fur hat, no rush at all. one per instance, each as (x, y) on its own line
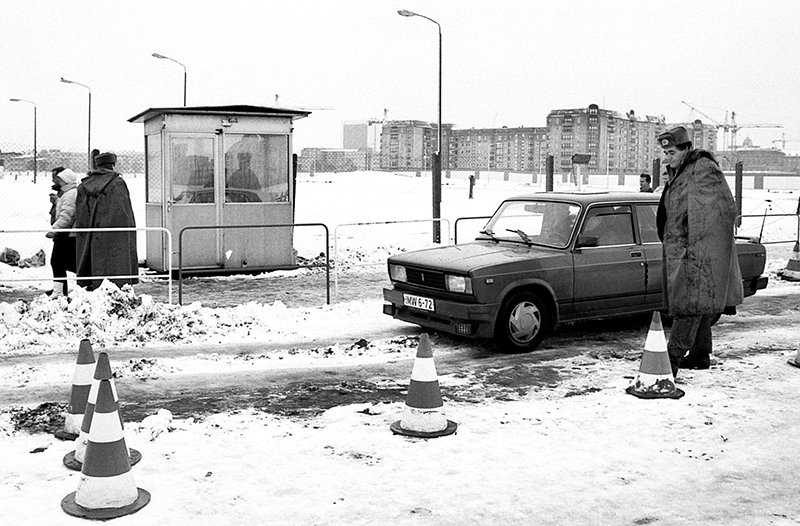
(57, 170)
(68, 176)
(106, 158)
(674, 137)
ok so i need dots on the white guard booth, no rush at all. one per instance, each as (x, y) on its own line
(220, 166)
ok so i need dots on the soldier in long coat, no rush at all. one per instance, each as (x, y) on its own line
(696, 218)
(103, 201)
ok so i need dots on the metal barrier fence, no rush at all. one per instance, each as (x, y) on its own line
(163, 230)
(327, 264)
(337, 260)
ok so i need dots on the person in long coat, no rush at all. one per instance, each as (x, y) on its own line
(696, 218)
(103, 201)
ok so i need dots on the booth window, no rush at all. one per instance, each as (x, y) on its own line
(192, 165)
(153, 170)
(256, 168)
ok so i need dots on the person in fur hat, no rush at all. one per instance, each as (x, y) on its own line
(103, 201)
(62, 259)
(696, 218)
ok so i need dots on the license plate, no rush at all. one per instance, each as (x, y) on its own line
(418, 302)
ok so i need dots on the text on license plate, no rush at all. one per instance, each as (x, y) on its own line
(418, 302)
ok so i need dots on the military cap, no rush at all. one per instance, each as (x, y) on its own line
(674, 137)
(106, 158)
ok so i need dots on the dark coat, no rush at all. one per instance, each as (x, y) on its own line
(103, 201)
(696, 218)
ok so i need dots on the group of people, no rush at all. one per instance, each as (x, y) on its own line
(100, 200)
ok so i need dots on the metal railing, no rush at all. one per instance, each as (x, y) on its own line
(161, 229)
(327, 264)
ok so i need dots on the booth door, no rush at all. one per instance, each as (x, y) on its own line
(193, 199)
(257, 179)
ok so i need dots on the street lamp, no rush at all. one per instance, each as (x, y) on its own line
(35, 151)
(89, 140)
(184, 73)
(436, 175)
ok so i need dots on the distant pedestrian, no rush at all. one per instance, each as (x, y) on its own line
(696, 218)
(62, 215)
(471, 184)
(644, 183)
(103, 201)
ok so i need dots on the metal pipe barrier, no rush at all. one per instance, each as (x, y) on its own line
(455, 227)
(336, 241)
(162, 229)
(764, 217)
(327, 264)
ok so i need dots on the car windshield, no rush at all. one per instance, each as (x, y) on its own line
(534, 222)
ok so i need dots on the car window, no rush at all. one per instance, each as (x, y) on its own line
(646, 217)
(611, 225)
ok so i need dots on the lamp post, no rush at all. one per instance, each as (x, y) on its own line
(35, 151)
(89, 140)
(184, 73)
(436, 174)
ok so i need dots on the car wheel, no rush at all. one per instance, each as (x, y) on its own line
(522, 323)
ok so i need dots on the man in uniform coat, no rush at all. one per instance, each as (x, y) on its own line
(103, 201)
(696, 218)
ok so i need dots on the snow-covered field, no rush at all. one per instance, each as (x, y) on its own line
(577, 452)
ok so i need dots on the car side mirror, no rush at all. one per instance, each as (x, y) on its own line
(586, 241)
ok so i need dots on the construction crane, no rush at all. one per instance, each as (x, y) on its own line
(783, 140)
(731, 127)
(735, 127)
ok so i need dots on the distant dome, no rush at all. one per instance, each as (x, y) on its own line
(747, 143)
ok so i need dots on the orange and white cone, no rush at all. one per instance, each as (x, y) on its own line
(423, 415)
(792, 270)
(106, 489)
(796, 360)
(655, 379)
(74, 459)
(81, 384)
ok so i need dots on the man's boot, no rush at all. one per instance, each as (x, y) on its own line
(695, 361)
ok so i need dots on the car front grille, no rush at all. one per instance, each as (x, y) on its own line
(425, 278)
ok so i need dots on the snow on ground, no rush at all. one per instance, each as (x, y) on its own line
(579, 451)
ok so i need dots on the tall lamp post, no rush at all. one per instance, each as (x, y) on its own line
(436, 175)
(35, 151)
(184, 73)
(89, 140)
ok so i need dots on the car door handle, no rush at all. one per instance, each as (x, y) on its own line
(636, 254)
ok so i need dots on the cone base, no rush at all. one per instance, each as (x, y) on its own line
(677, 393)
(397, 429)
(794, 362)
(69, 505)
(63, 434)
(74, 464)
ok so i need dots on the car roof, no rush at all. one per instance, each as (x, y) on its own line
(589, 198)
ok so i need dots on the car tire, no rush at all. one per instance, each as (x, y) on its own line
(521, 323)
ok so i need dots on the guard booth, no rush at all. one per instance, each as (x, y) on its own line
(220, 166)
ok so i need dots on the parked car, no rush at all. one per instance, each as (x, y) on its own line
(541, 260)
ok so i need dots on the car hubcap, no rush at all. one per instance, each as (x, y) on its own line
(525, 321)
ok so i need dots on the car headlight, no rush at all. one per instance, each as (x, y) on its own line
(459, 284)
(397, 273)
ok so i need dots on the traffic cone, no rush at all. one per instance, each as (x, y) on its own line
(106, 489)
(655, 378)
(74, 459)
(796, 360)
(792, 270)
(81, 384)
(423, 415)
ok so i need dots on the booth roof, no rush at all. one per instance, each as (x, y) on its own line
(221, 110)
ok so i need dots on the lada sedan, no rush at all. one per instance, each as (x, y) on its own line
(541, 260)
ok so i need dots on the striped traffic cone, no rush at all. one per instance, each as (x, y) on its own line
(792, 270)
(81, 384)
(796, 360)
(74, 459)
(106, 489)
(423, 415)
(655, 378)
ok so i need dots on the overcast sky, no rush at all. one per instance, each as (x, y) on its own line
(505, 62)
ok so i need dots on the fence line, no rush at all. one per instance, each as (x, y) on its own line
(162, 229)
